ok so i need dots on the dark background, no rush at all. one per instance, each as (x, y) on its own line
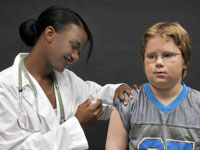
(117, 27)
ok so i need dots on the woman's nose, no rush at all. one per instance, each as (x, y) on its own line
(75, 56)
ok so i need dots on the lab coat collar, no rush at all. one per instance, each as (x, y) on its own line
(16, 71)
(61, 79)
(59, 76)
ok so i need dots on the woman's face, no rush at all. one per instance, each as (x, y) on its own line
(163, 63)
(66, 46)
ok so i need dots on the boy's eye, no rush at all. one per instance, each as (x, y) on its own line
(168, 55)
(151, 56)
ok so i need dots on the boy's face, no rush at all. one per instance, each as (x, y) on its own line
(163, 63)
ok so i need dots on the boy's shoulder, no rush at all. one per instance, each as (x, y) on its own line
(194, 91)
(126, 112)
(194, 95)
(137, 96)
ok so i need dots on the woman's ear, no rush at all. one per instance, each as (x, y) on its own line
(49, 33)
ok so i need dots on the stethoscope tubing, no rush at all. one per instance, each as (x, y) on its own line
(23, 68)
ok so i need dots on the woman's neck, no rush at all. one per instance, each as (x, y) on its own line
(166, 96)
(37, 65)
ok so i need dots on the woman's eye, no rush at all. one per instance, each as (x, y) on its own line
(75, 47)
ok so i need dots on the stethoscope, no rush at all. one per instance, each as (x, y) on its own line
(20, 123)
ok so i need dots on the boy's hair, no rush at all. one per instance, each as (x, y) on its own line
(173, 31)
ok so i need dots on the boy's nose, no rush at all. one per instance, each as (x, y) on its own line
(159, 61)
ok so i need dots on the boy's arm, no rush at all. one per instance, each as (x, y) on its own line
(117, 137)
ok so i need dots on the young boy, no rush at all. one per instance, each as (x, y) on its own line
(165, 114)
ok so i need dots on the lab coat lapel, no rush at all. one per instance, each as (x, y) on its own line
(61, 82)
(68, 94)
(45, 108)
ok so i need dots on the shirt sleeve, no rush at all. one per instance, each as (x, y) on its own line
(125, 111)
(69, 135)
(105, 93)
(84, 89)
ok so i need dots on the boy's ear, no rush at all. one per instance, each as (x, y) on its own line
(184, 66)
(50, 33)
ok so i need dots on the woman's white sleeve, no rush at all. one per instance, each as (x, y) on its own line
(90, 88)
(69, 135)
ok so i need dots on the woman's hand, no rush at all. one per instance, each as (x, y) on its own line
(124, 88)
(88, 113)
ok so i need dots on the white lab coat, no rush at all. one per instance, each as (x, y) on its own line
(53, 136)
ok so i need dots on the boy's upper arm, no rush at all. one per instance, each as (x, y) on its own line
(117, 137)
(119, 125)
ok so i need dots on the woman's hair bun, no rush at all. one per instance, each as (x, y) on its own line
(28, 32)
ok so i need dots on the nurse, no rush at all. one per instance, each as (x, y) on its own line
(43, 105)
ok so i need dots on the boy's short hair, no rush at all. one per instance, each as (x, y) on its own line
(173, 31)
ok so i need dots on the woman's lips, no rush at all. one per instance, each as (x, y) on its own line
(68, 61)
